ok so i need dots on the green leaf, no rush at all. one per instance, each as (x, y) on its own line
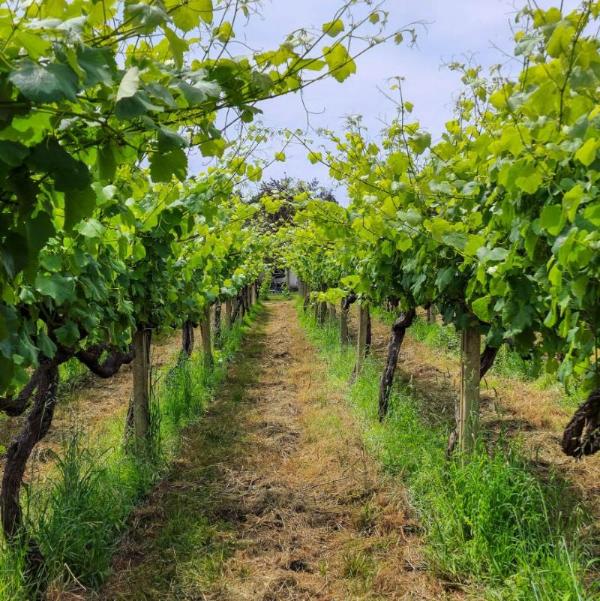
(48, 83)
(420, 143)
(340, 63)
(572, 200)
(163, 166)
(79, 204)
(552, 219)
(12, 153)
(91, 228)
(52, 158)
(145, 16)
(224, 32)
(560, 40)
(213, 148)
(98, 64)
(403, 243)
(39, 230)
(58, 287)
(587, 153)
(204, 8)
(68, 335)
(200, 91)
(129, 85)
(107, 163)
(481, 308)
(177, 45)
(528, 179)
(333, 28)
(46, 345)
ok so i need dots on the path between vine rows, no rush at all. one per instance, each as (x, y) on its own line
(273, 496)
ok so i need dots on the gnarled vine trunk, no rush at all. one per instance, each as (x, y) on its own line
(398, 332)
(36, 427)
(187, 338)
(487, 359)
(582, 434)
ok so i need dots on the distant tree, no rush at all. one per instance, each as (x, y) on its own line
(277, 199)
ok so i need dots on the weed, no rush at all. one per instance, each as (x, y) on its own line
(358, 564)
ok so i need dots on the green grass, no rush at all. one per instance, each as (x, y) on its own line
(80, 514)
(491, 524)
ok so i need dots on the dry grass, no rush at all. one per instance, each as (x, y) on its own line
(274, 497)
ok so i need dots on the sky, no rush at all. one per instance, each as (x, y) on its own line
(455, 30)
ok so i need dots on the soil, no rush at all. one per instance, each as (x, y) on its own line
(273, 496)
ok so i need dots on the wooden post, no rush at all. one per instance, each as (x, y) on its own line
(430, 314)
(468, 404)
(218, 330)
(361, 344)
(321, 312)
(228, 312)
(141, 387)
(306, 297)
(206, 339)
(344, 333)
(331, 311)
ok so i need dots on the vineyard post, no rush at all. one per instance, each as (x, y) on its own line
(206, 339)
(468, 403)
(141, 386)
(228, 312)
(331, 311)
(344, 333)
(218, 332)
(430, 314)
(368, 333)
(321, 312)
(361, 344)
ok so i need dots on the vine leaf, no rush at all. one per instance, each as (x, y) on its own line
(45, 83)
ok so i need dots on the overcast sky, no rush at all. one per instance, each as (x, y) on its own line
(456, 30)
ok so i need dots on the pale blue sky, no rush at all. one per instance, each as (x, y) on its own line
(456, 29)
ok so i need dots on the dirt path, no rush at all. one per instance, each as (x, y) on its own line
(274, 497)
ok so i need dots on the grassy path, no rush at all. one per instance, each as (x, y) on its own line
(273, 496)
